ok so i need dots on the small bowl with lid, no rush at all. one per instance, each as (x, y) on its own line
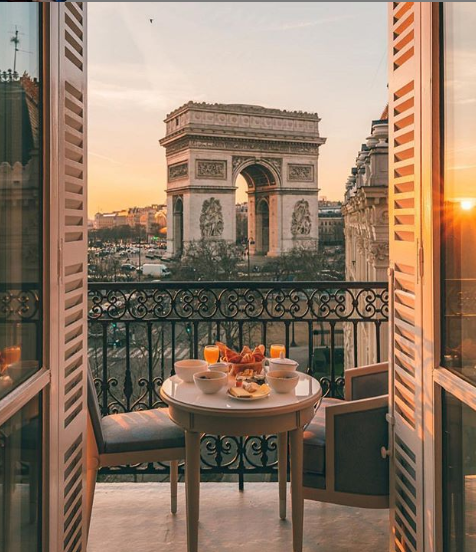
(284, 364)
(282, 381)
(223, 367)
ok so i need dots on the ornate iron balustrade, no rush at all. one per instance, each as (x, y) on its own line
(138, 330)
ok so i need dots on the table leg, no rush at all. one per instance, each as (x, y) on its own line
(173, 485)
(282, 472)
(297, 501)
(192, 487)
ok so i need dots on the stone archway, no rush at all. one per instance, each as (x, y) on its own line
(263, 182)
(276, 151)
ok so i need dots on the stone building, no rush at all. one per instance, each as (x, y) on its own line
(149, 217)
(331, 223)
(276, 151)
(366, 224)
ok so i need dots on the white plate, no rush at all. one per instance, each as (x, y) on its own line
(249, 399)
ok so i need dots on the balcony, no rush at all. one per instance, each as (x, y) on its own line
(229, 521)
(138, 330)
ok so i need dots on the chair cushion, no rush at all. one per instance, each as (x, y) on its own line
(141, 430)
(315, 440)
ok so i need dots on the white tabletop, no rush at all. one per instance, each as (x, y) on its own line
(174, 390)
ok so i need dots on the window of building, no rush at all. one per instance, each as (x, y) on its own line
(20, 469)
(459, 193)
(459, 475)
(20, 194)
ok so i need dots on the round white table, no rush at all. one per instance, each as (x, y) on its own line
(220, 414)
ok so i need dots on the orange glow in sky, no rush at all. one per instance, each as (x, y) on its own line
(320, 57)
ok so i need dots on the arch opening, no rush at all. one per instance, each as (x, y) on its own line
(258, 176)
(262, 227)
(178, 225)
(252, 217)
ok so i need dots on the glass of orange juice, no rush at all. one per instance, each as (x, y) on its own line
(211, 354)
(12, 354)
(276, 350)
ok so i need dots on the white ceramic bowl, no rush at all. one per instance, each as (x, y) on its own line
(285, 364)
(210, 382)
(223, 367)
(282, 381)
(186, 368)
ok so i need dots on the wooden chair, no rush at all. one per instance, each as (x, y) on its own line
(131, 438)
(343, 463)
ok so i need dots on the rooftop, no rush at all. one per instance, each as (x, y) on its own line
(242, 109)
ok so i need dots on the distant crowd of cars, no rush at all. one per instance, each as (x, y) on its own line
(133, 256)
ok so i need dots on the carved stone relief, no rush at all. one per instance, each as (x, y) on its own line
(210, 169)
(301, 172)
(378, 252)
(178, 171)
(211, 219)
(301, 220)
(239, 160)
(276, 163)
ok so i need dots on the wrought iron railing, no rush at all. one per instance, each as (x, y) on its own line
(138, 330)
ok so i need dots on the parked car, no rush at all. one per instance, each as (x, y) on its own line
(127, 267)
(155, 270)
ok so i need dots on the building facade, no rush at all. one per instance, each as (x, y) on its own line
(331, 223)
(366, 223)
(209, 145)
(151, 218)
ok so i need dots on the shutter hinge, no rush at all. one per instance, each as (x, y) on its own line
(390, 419)
(60, 260)
(421, 260)
(387, 452)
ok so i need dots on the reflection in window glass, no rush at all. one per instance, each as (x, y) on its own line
(20, 193)
(459, 92)
(20, 482)
(459, 475)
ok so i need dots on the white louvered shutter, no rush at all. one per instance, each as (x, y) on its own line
(406, 493)
(68, 267)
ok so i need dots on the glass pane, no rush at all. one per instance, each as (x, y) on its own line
(20, 193)
(459, 475)
(20, 469)
(459, 331)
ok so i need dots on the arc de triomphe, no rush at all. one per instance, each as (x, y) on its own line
(209, 145)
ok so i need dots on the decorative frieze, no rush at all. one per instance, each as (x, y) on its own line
(178, 171)
(298, 172)
(208, 168)
(241, 144)
(301, 220)
(211, 219)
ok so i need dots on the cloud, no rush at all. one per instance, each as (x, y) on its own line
(306, 24)
(106, 158)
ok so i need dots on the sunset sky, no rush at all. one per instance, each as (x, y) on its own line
(328, 58)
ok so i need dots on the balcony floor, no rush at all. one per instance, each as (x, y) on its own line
(136, 516)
